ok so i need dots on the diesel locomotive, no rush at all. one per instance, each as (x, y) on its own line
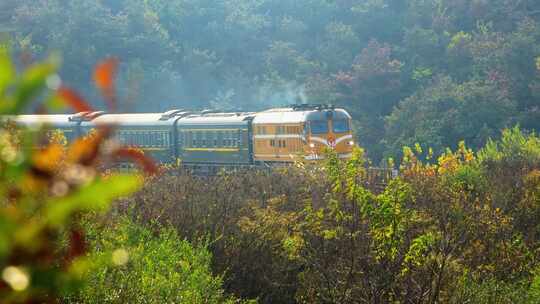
(274, 136)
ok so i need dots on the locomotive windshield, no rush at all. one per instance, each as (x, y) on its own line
(318, 126)
(341, 126)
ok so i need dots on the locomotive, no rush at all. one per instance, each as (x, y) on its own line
(274, 136)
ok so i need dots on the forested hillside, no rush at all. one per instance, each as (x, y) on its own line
(428, 71)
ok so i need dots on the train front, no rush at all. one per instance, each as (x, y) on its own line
(328, 128)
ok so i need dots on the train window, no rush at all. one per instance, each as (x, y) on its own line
(162, 139)
(341, 126)
(121, 137)
(157, 139)
(144, 139)
(127, 138)
(138, 139)
(318, 126)
(219, 138)
(205, 136)
(189, 139)
(192, 139)
(198, 141)
(212, 138)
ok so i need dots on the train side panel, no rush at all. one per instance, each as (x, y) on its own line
(148, 132)
(215, 139)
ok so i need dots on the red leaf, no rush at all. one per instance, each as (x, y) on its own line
(77, 244)
(146, 163)
(74, 100)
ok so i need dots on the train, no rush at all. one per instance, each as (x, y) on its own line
(274, 136)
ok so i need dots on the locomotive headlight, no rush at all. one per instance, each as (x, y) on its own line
(351, 143)
(311, 145)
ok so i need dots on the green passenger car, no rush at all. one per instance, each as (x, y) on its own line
(216, 138)
(150, 132)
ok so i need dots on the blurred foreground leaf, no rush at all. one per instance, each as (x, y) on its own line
(96, 196)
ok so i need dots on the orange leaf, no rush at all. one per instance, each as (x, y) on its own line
(74, 100)
(49, 158)
(104, 75)
(85, 150)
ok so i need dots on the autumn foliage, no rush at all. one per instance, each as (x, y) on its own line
(457, 228)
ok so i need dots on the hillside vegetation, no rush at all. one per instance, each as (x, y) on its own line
(434, 72)
(462, 228)
(449, 88)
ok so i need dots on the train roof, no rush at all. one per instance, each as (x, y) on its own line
(216, 119)
(293, 115)
(130, 119)
(55, 120)
(290, 115)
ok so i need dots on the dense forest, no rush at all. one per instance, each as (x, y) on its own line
(432, 72)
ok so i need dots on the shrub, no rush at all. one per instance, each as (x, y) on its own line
(148, 266)
(323, 234)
